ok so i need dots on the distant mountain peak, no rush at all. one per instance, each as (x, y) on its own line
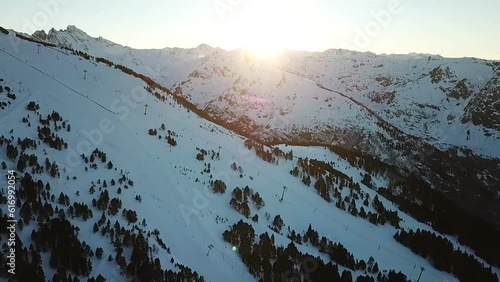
(72, 28)
(76, 31)
(204, 46)
(72, 37)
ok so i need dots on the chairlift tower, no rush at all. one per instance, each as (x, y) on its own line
(209, 249)
(283, 194)
(420, 275)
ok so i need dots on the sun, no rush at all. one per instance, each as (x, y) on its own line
(264, 51)
(264, 31)
(267, 29)
(263, 41)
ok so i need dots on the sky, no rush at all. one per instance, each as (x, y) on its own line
(451, 28)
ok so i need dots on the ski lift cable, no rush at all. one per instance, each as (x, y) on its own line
(59, 82)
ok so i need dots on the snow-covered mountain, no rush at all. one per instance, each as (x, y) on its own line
(419, 112)
(163, 192)
(446, 102)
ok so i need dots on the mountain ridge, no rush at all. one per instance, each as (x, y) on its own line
(75, 30)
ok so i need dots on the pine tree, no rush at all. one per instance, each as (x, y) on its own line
(255, 218)
(98, 252)
(131, 216)
(278, 223)
(375, 268)
(306, 180)
(54, 170)
(346, 276)
(12, 152)
(21, 164)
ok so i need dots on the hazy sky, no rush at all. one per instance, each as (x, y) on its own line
(452, 28)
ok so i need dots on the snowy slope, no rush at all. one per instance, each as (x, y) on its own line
(165, 177)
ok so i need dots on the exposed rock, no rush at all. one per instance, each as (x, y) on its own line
(461, 91)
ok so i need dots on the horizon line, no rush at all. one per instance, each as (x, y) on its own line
(283, 50)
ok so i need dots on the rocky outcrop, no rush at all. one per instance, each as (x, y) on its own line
(461, 91)
(484, 109)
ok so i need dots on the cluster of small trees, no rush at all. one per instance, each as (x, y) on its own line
(82, 54)
(54, 141)
(31, 161)
(236, 167)
(239, 202)
(384, 215)
(321, 188)
(80, 210)
(366, 162)
(219, 186)
(95, 154)
(428, 205)
(326, 177)
(28, 261)
(240, 199)
(157, 94)
(92, 159)
(271, 155)
(270, 263)
(152, 132)
(26, 143)
(140, 266)
(201, 155)
(52, 168)
(171, 141)
(130, 215)
(30, 195)
(3, 105)
(443, 256)
(26, 120)
(32, 106)
(330, 182)
(337, 252)
(169, 136)
(12, 152)
(67, 252)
